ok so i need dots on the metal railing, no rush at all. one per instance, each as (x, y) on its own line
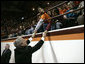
(53, 7)
(65, 13)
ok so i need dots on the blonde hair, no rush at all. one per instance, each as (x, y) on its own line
(40, 10)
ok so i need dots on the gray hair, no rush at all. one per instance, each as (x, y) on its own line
(18, 42)
(8, 45)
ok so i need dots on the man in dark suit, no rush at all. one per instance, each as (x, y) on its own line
(23, 52)
(6, 54)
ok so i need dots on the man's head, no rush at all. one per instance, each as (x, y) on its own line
(41, 10)
(7, 46)
(20, 42)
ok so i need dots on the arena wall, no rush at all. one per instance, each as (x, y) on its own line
(61, 46)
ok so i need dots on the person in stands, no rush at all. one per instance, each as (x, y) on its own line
(43, 21)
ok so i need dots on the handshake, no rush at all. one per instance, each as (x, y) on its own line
(44, 34)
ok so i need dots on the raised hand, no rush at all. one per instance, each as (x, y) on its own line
(44, 33)
(33, 35)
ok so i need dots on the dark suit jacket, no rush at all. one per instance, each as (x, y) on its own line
(24, 54)
(6, 56)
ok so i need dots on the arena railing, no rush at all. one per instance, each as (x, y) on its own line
(65, 13)
(74, 29)
(53, 7)
(57, 5)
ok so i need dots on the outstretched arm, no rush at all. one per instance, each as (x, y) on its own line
(39, 24)
(48, 26)
(37, 27)
(29, 40)
(39, 44)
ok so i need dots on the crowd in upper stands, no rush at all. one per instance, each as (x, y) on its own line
(68, 20)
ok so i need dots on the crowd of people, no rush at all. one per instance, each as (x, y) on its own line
(68, 20)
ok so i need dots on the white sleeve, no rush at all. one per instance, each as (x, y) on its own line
(30, 39)
(43, 38)
(39, 24)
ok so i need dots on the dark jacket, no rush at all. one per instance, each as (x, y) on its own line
(24, 54)
(6, 56)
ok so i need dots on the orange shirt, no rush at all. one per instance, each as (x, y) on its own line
(61, 11)
(44, 17)
(64, 10)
